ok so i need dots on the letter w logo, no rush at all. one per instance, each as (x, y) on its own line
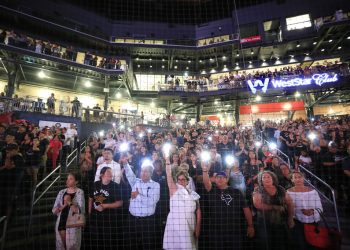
(253, 86)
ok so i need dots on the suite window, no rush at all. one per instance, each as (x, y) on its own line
(298, 22)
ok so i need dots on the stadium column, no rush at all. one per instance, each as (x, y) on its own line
(13, 78)
(199, 108)
(106, 90)
(236, 105)
(309, 99)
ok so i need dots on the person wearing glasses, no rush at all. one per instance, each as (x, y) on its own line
(144, 198)
(184, 219)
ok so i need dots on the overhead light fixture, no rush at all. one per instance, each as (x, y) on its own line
(339, 47)
(176, 60)
(118, 95)
(322, 50)
(297, 94)
(223, 57)
(237, 54)
(162, 66)
(88, 84)
(150, 66)
(314, 43)
(42, 74)
(153, 104)
(137, 58)
(138, 65)
(258, 98)
(292, 56)
(213, 71)
(163, 60)
(348, 38)
(298, 44)
(187, 67)
(180, 103)
(211, 59)
(264, 60)
(216, 102)
(330, 40)
(237, 63)
(307, 54)
(189, 61)
(251, 51)
(175, 67)
(200, 61)
(150, 59)
(250, 62)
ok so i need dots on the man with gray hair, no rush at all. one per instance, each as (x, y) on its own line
(144, 197)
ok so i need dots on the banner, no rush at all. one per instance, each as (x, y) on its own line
(271, 107)
(56, 124)
(251, 39)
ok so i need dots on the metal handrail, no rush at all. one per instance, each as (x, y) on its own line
(3, 219)
(35, 201)
(280, 152)
(333, 201)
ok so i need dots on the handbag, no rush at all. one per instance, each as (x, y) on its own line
(75, 220)
(322, 237)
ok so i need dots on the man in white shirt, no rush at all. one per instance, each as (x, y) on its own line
(108, 162)
(70, 134)
(144, 197)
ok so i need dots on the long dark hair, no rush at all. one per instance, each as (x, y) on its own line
(103, 171)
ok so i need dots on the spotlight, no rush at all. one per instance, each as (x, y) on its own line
(237, 55)
(297, 94)
(205, 156)
(258, 144)
(272, 146)
(88, 84)
(210, 138)
(258, 98)
(312, 136)
(149, 130)
(322, 50)
(101, 133)
(163, 60)
(339, 47)
(298, 44)
(163, 66)
(166, 149)
(229, 160)
(42, 74)
(330, 40)
(124, 147)
(113, 124)
(141, 135)
(314, 43)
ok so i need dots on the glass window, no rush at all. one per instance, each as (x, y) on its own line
(298, 22)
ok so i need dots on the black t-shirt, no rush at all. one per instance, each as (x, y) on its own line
(42, 145)
(224, 149)
(225, 211)
(346, 163)
(105, 194)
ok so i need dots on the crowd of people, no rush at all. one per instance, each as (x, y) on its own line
(197, 188)
(238, 79)
(53, 49)
(30, 153)
(204, 188)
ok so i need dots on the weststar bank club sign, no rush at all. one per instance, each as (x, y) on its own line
(266, 83)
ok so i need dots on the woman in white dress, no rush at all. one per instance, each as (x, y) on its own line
(184, 219)
(68, 238)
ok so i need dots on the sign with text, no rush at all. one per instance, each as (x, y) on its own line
(266, 83)
(251, 39)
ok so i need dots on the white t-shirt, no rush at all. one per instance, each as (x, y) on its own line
(305, 159)
(116, 171)
(71, 132)
(306, 200)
